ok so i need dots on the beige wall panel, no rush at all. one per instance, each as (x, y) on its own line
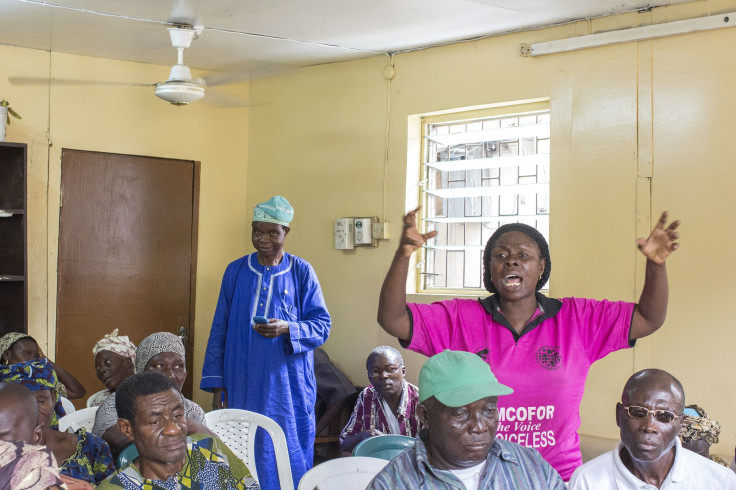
(694, 176)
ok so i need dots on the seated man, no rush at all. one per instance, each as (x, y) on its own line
(387, 405)
(650, 453)
(151, 414)
(24, 463)
(457, 447)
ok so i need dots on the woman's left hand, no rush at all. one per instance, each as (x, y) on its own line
(661, 242)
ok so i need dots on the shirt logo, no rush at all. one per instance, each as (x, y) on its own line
(549, 357)
(483, 354)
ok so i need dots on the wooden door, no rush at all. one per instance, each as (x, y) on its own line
(127, 254)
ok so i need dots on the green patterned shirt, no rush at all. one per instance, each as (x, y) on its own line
(210, 464)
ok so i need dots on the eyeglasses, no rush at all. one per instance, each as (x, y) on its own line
(664, 416)
(389, 371)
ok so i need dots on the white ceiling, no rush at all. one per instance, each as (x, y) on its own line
(259, 36)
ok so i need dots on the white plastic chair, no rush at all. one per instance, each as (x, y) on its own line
(68, 405)
(95, 397)
(84, 417)
(237, 429)
(342, 473)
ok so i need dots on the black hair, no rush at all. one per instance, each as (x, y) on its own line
(141, 384)
(534, 234)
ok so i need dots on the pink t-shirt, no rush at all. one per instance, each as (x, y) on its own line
(547, 366)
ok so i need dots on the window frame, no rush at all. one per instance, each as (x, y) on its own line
(510, 109)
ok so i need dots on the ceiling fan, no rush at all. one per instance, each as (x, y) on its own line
(180, 88)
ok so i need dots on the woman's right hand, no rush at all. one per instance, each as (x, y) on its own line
(411, 239)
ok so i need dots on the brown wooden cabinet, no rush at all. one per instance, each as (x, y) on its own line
(13, 257)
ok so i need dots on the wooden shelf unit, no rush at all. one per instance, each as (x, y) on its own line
(13, 238)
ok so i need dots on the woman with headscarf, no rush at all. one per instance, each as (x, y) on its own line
(114, 362)
(20, 347)
(162, 352)
(80, 455)
(699, 432)
(542, 347)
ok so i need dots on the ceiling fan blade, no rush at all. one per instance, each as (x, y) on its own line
(65, 81)
(219, 99)
(225, 79)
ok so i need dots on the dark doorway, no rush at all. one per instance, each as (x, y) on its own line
(127, 254)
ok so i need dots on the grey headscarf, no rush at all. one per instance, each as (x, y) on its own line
(155, 344)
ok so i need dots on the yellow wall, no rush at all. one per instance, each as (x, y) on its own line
(316, 136)
(129, 120)
(620, 114)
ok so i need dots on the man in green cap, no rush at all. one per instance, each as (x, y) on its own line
(457, 448)
(270, 316)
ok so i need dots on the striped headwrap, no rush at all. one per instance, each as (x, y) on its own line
(155, 344)
(696, 428)
(36, 375)
(119, 344)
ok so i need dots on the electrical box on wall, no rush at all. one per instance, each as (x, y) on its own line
(344, 234)
(363, 231)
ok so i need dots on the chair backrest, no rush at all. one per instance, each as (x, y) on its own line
(237, 429)
(75, 420)
(384, 447)
(68, 405)
(95, 397)
(127, 455)
(342, 473)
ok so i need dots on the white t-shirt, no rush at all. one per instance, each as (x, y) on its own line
(689, 471)
(470, 476)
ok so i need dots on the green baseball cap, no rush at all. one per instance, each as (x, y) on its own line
(457, 378)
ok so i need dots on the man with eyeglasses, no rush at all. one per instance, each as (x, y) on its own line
(387, 406)
(650, 454)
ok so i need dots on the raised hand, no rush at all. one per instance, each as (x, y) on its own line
(661, 242)
(411, 239)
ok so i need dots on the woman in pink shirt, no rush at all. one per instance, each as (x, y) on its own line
(542, 347)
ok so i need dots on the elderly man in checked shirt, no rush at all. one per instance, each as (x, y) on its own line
(457, 448)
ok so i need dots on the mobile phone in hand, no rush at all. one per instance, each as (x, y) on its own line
(260, 320)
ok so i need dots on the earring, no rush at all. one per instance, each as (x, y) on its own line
(540, 275)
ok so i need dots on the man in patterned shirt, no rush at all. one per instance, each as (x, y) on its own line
(151, 414)
(387, 406)
(457, 448)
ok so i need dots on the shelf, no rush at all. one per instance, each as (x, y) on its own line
(12, 278)
(9, 213)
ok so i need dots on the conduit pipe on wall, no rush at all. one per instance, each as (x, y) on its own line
(627, 35)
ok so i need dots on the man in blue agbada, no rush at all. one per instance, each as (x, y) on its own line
(268, 367)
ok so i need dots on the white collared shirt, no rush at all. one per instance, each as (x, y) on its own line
(689, 471)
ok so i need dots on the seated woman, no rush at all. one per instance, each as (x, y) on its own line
(699, 432)
(80, 455)
(114, 362)
(387, 406)
(162, 352)
(20, 347)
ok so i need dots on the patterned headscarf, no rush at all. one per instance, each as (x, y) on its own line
(696, 428)
(36, 375)
(119, 344)
(155, 344)
(7, 340)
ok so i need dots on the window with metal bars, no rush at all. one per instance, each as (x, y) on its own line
(478, 174)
